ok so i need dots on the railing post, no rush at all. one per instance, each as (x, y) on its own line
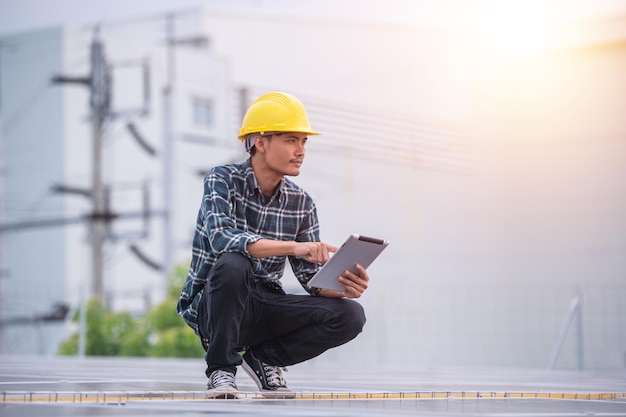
(575, 311)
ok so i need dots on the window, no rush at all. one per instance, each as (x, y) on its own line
(203, 112)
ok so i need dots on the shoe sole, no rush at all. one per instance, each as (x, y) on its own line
(223, 397)
(278, 395)
(222, 394)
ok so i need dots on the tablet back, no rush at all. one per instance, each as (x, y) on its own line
(356, 249)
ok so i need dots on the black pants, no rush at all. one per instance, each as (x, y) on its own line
(238, 311)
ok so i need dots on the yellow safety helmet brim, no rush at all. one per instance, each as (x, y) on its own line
(276, 112)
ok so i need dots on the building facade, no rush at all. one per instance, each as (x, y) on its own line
(497, 173)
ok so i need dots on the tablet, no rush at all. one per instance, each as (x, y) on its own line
(356, 249)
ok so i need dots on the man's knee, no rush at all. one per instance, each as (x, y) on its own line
(231, 270)
(352, 317)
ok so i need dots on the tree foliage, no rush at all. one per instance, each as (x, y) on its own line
(160, 333)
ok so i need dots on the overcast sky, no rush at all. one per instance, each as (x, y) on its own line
(24, 15)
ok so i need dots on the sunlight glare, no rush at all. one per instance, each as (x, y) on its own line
(514, 30)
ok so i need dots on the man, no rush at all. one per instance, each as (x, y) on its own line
(250, 221)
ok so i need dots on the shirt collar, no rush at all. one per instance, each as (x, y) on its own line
(253, 184)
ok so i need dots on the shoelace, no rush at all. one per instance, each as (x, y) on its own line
(274, 375)
(220, 377)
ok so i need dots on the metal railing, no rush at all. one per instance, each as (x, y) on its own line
(574, 313)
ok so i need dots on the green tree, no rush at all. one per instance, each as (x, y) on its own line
(106, 332)
(160, 333)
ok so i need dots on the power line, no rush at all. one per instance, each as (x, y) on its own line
(358, 124)
(105, 216)
(434, 142)
(383, 136)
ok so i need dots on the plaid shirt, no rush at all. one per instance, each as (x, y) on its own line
(234, 213)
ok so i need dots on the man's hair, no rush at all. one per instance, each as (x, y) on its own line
(249, 140)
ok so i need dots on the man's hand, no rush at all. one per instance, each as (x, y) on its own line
(354, 284)
(316, 252)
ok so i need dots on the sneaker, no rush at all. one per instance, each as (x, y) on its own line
(222, 385)
(269, 379)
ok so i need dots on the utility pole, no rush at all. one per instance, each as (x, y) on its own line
(169, 94)
(2, 173)
(168, 148)
(100, 87)
(99, 84)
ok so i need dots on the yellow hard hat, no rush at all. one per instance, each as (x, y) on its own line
(275, 112)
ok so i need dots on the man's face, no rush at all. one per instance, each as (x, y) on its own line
(284, 153)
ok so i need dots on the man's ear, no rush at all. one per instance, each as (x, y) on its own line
(260, 142)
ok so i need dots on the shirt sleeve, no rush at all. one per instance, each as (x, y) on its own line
(219, 223)
(309, 232)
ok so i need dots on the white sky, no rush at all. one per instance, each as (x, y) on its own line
(25, 15)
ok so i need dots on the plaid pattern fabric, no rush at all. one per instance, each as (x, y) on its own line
(234, 213)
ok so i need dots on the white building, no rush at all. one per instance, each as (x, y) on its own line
(494, 165)
(48, 142)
